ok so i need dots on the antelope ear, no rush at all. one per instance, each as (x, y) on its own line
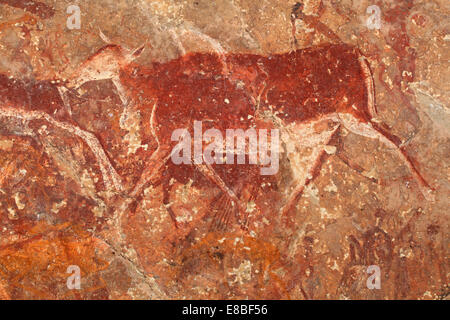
(136, 53)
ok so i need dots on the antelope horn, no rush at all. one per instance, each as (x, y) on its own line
(104, 37)
(133, 55)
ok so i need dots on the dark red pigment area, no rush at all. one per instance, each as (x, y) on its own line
(234, 91)
(308, 84)
(300, 86)
(35, 7)
(32, 95)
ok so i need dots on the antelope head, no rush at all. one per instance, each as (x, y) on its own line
(105, 64)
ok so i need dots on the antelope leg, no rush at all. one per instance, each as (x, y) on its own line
(340, 154)
(63, 94)
(313, 163)
(155, 164)
(123, 97)
(373, 131)
(157, 160)
(209, 172)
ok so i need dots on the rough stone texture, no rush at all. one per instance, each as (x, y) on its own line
(62, 162)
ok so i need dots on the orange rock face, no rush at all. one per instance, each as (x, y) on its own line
(355, 116)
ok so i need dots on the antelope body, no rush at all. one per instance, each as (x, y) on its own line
(325, 87)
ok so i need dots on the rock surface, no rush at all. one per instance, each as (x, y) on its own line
(77, 151)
